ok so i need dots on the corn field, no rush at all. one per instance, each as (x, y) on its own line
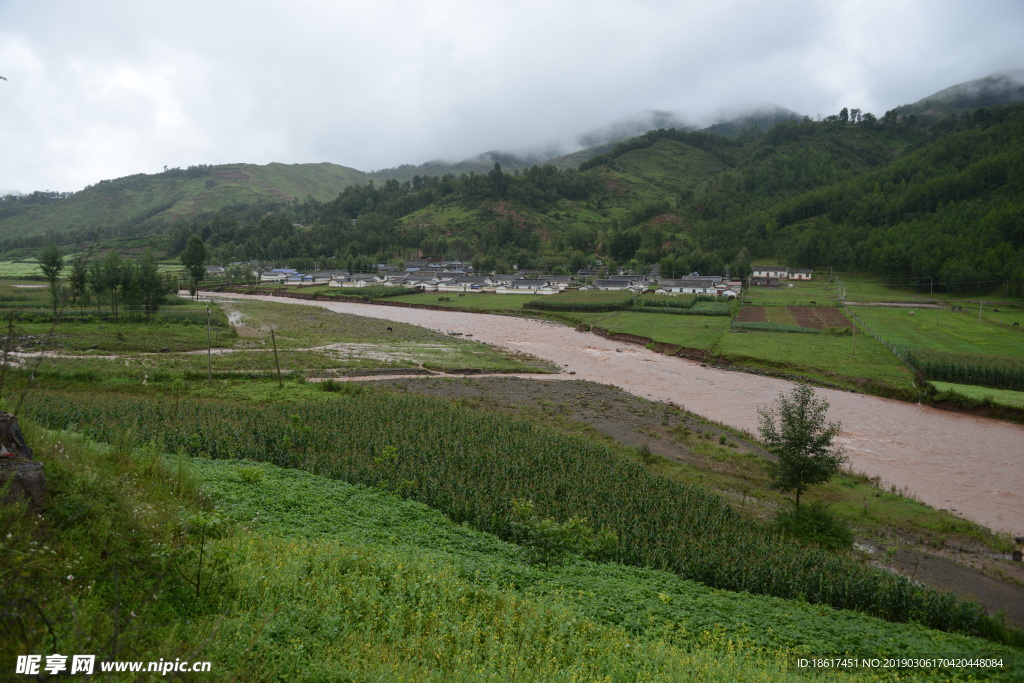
(964, 368)
(472, 465)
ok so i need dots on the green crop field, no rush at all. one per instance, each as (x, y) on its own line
(943, 330)
(470, 465)
(310, 578)
(472, 301)
(1013, 399)
(315, 534)
(799, 294)
(693, 332)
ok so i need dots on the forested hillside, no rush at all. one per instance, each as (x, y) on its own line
(885, 195)
(144, 203)
(891, 195)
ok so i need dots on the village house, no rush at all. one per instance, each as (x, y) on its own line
(800, 273)
(356, 280)
(776, 272)
(621, 284)
(527, 286)
(562, 282)
(462, 283)
(709, 284)
(277, 275)
(690, 285)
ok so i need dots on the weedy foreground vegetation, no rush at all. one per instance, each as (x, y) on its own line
(336, 530)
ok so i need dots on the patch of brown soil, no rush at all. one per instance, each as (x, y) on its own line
(972, 582)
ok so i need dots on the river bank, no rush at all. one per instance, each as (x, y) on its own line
(970, 465)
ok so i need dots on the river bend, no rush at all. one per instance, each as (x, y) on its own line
(953, 461)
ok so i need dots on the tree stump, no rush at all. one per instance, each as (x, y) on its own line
(21, 478)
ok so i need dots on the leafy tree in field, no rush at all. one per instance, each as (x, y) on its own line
(78, 278)
(51, 262)
(193, 257)
(110, 271)
(153, 287)
(795, 429)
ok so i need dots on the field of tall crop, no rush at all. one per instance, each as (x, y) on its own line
(471, 466)
(952, 346)
(944, 330)
(308, 578)
(309, 516)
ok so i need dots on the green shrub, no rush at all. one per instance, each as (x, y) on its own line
(815, 523)
(547, 541)
(250, 475)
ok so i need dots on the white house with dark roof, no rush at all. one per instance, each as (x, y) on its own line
(713, 285)
(527, 286)
(777, 272)
(277, 275)
(462, 283)
(620, 284)
(800, 273)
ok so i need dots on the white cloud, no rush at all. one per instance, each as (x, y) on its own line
(109, 88)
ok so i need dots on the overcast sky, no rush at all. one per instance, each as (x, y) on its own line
(103, 89)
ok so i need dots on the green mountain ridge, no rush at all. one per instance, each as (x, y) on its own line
(1002, 88)
(895, 195)
(130, 205)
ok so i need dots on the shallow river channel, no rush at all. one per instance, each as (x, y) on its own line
(972, 465)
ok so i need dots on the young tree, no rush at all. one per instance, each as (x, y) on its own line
(153, 286)
(795, 429)
(51, 262)
(78, 278)
(193, 257)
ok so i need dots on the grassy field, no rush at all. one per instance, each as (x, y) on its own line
(475, 301)
(694, 332)
(819, 357)
(367, 582)
(800, 293)
(310, 342)
(308, 578)
(22, 268)
(1005, 397)
(945, 331)
(841, 360)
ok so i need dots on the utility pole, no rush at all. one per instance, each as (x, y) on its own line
(981, 304)
(209, 348)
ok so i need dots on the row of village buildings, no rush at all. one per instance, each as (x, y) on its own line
(459, 278)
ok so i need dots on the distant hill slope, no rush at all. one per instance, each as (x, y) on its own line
(1001, 88)
(764, 118)
(137, 201)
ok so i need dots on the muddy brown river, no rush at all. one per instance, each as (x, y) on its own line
(972, 465)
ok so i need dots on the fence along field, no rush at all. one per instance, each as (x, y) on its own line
(951, 346)
(471, 465)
